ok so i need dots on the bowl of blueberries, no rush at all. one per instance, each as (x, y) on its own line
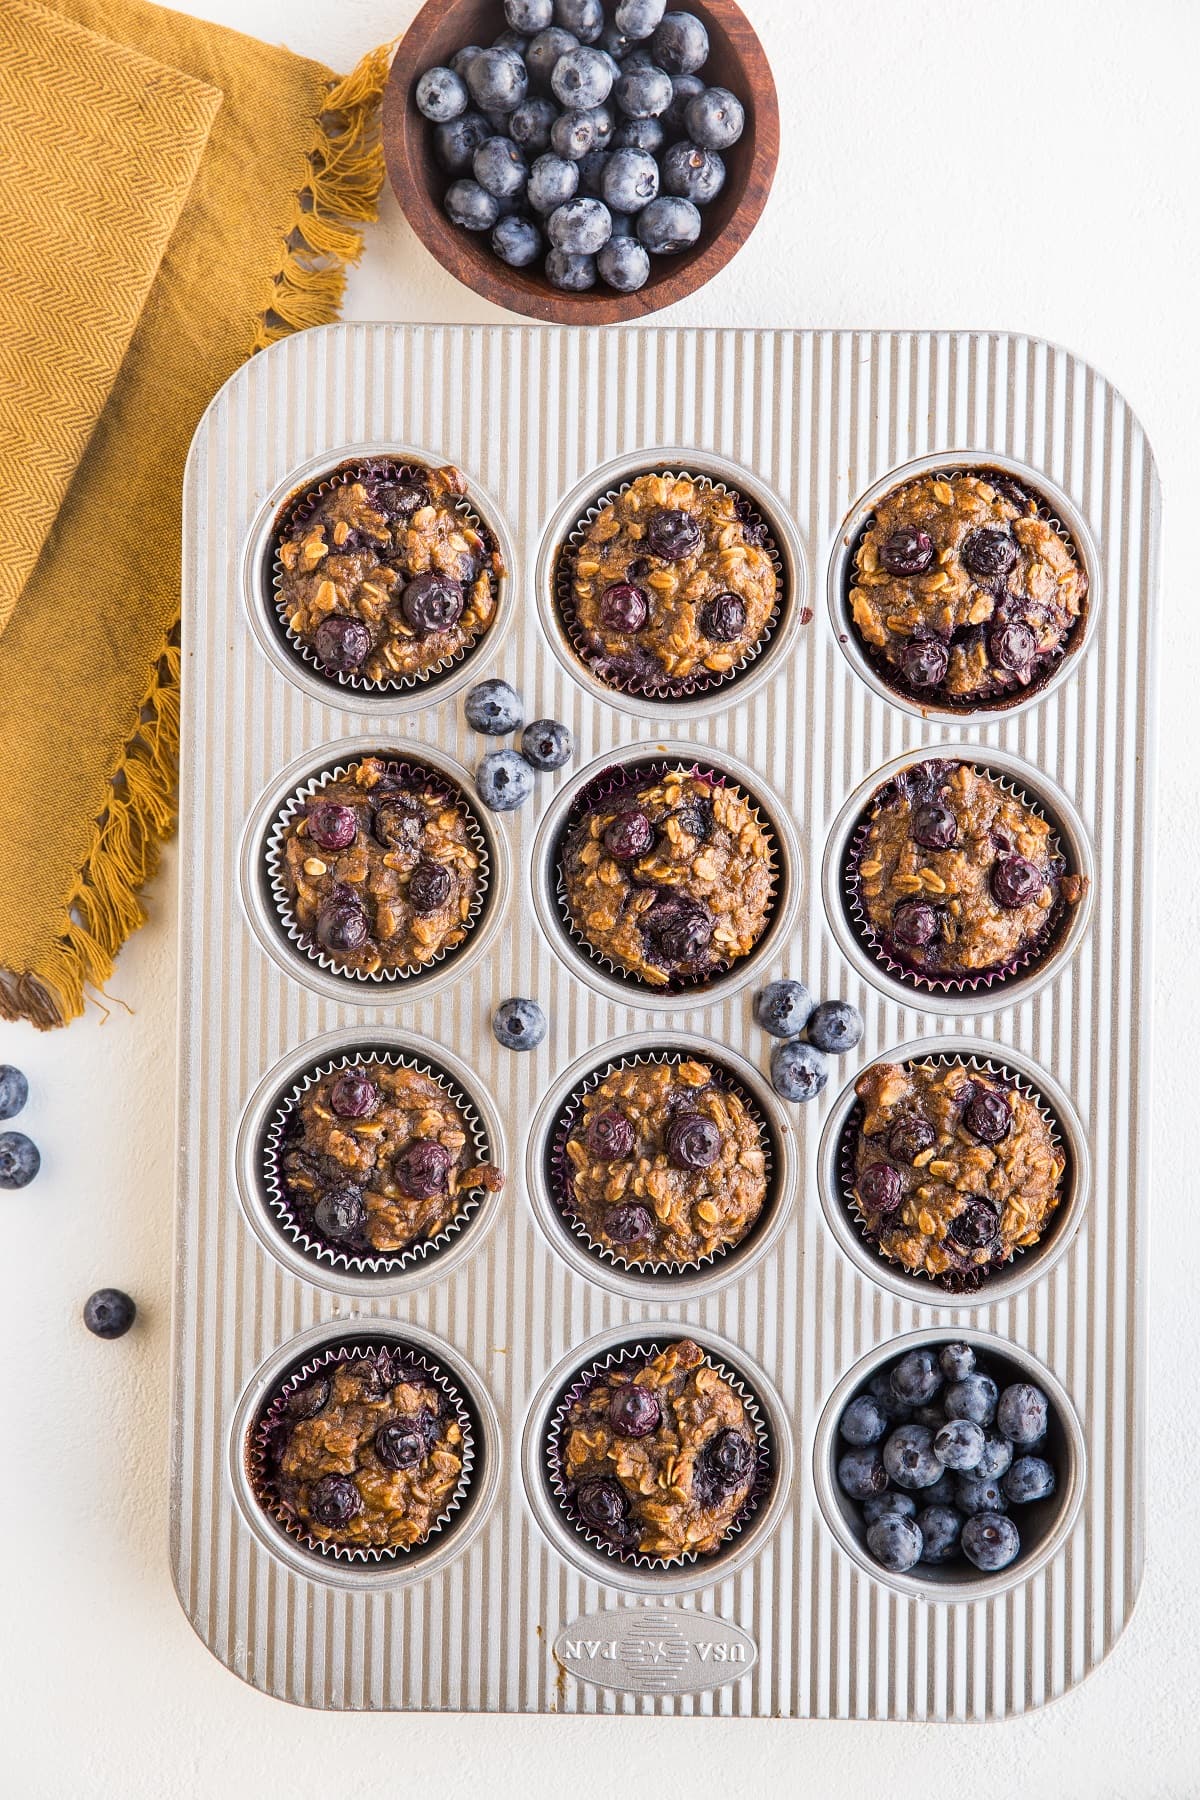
(581, 161)
(950, 1468)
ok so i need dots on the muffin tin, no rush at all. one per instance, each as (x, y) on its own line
(510, 1609)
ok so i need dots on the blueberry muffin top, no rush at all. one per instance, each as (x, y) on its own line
(665, 1163)
(660, 1459)
(672, 585)
(376, 1157)
(381, 869)
(957, 876)
(954, 1169)
(671, 878)
(383, 575)
(962, 592)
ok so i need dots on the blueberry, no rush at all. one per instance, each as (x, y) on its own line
(430, 886)
(783, 1008)
(432, 602)
(455, 144)
(552, 180)
(693, 1141)
(545, 50)
(861, 1473)
(614, 41)
(342, 925)
(504, 780)
(517, 242)
(584, 17)
(401, 1444)
(941, 1529)
(979, 1493)
(1023, 1413)
(916, 1378)
(546, 744)
(715, 119)
(924, 661)
(623, 607)
(1012, 645)
(996, 1458)
(694, 174)
(334, 1501)
(494, 708)
(880, 1388)
(880, 1188)
(630, 181)
(497, 80)
(991, 1542)
(421, 1169)
(639, 134)
(680, 43)
(976, 1226)
(14, 1091)
(529, 126)
(680, 927)
(330, 826)
(895, 1542)
(674, 535)
(1030, 1478)
(1015, 882)
(623, 264)
(906, 551)
(516, 41)
(959, 1445)
(639, 19)
(462, 58)
(472, 207)
(643, 93)
(519, 1024)
(609, 1136)
(893, 1501)
(399, 821)
(580, 228)
(723, 618)
(500, 168)
(863, 1422)
(684, 89)
(341, 644)
(956, 1361)
(943, 1491)
(442, 95)
(909, 1457)
(798, 1072)
(108, 1313)
(354, 1095)
(340, 1212)
(972, 1398)
(309, 1401)
(602, 1504)
(934, 826)
(628, 836)
(628, 1224)
(634, 1412)
(573, 274)
(989, 554)
(988, 1116)
(932, 1415)
(914, 925)
(582, 79)
(575, 135)
(591, 175)
(835, 1027)
(529, 15)
(668, 225)
(909, 1138)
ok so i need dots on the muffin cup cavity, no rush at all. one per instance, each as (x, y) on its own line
(1054, 507)
(298, 495)
(698, 694)
(978, 990)
(835, 1165)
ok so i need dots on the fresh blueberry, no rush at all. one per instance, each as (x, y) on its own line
(693, 1141)
(591, 174)
(494, 708)
(517, 242)
(529, 15)
(943, 1491)
(575, 135)
(1023, 1413)
(14, 1091)
(461, 59)
(956, 1361)
(863, 1422)
(979, 1493)
(519, 1024)
(668, 225)
(442, 95)
(354, 1095)
(639, 134)
(421, 1169)
(694, 174)
(609, 1136)
(991, 1542)
(584, 17)
(340, 1212)
(634, 1411)
(614, 41)
(880, 1388)
(341, 644)
(639, 19)
(909, 1457)
(680, 43)
(684, 89)
(579, 228)
(835, 1027)
(924, 662)
(334, 1501)
(989, 554)
(529, 126)
(1030, 1478)
(552, 181)
(628, 1224)
(623, 264)
(108, 1313)
(972, 1398)
(932, 1415)
(504, 780)
(455, 144)
(959, 1445)
(715, 119)
(432, 602)
(895, 1542)
(640, 57)
(471, 206)
(497, 80)
(643, 93)
(500, 168)
(861, 1473)
(545, 50)
(783, 1008)
(996, 1458)
(798, 1072)
(941, 1529)
(602, 1504)
(916, 1378)
(582, 79)
(893, 1501)
(516, 41)
(630, 181)
(546, 744)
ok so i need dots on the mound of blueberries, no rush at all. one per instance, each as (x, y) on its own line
(936, 1453)
(583, 142)
(504, 778)
(799, 1065)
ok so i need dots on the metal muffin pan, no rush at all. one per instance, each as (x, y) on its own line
(788, 1621)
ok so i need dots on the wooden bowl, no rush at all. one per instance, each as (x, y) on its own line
(736, 61)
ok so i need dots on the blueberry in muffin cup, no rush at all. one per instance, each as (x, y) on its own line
(659, 1455)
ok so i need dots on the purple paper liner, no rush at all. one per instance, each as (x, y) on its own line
(560, 1177)
(642, 1352)
(936, 697)
(968, 1281)
(405, 768)
(632, 776)
(400, 1356)
(383, 1263)
(1042, 945)
(700, 682)
(299, 508)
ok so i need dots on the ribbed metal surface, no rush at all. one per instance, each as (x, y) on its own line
(529, 412)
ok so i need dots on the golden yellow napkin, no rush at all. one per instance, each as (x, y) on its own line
(173, 196)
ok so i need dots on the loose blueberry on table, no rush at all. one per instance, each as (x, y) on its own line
(20, 1159)
(519, 1024)
(108, 1313)
(14, 1091)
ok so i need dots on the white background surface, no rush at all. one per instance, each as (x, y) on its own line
(1031, 167)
